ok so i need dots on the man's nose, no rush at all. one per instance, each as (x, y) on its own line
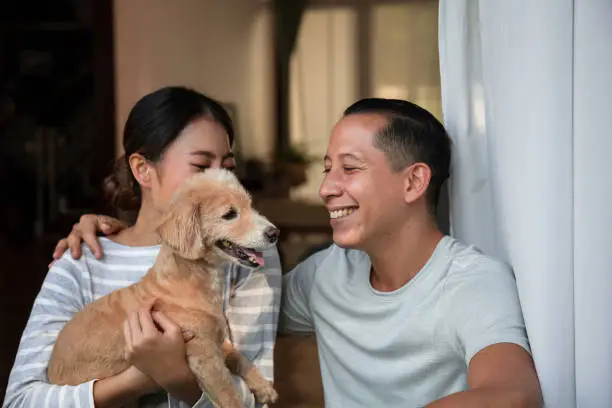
(272, 234)
(329, 187)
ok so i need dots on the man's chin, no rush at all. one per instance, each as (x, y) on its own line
(347, 241)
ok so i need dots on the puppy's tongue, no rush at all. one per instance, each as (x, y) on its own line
(259, 258)
(257, 255)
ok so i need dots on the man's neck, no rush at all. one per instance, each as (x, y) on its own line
(397, 259)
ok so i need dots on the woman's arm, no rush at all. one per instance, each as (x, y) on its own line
(122, 388)
(59, 299)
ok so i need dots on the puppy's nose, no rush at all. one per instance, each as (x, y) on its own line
(272, 234)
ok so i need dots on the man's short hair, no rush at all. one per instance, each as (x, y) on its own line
(411, 135)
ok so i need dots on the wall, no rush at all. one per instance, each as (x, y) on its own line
(221, 48)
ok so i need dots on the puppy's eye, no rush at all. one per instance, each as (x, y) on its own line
(230, 215)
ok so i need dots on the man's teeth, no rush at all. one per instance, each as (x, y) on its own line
(341, 213)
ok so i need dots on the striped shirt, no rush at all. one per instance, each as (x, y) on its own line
(251, 306)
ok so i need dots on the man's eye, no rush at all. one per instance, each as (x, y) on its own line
(349, 169)
(325, 171)
(230, 215)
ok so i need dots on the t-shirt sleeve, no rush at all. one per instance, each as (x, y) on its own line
(295, 313)
(483, 307)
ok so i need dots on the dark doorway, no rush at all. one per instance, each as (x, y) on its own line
(57, 139)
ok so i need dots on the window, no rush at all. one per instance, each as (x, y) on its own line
(362, 48)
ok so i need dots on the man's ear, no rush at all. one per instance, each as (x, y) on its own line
(416, 181)
(180, 229)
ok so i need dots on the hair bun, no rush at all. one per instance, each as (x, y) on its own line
(120, 187)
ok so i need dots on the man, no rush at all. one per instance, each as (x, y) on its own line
(404, 316)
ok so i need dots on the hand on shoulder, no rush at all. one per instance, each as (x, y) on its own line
(86, 230)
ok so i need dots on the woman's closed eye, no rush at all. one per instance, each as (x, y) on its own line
(201, 167)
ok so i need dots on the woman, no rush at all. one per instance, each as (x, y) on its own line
(169, 135)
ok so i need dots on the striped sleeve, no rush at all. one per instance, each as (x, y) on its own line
(59, 298)
(254, 313)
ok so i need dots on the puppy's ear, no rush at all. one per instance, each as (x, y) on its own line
(180, 229)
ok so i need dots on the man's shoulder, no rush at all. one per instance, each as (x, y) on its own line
(341, 258)
(332, 258)
(331, 252)
(468, 261)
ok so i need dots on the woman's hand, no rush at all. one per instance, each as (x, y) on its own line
(160, 354)
(86, 230)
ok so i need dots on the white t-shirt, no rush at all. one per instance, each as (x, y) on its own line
(408, 347)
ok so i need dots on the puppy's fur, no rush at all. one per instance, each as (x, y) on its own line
(209, 217)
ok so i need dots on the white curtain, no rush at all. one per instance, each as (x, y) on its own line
(527, 99)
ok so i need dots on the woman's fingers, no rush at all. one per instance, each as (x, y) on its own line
(135, 327)
(91, 240)
(109, 225)
(60, 248)
(146, 321)
(89, 225)
(74, 242)
(129, 344)
(127, 334)
(167, 325)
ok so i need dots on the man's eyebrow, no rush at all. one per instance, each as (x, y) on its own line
(350, 156)
(344, 156)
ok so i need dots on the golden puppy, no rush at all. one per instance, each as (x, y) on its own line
(209, 219)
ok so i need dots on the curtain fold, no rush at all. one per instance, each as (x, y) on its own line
(593, 201)
(527, 90)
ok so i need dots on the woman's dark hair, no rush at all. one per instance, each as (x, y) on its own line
(155, 121)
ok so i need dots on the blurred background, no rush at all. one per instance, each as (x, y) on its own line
(70, 70)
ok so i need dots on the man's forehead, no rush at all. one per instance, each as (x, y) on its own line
(353, 135)
(366, 122)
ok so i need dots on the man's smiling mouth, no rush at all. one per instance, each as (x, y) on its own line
(342, 212)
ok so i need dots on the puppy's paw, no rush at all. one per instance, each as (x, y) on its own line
(265, 393)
